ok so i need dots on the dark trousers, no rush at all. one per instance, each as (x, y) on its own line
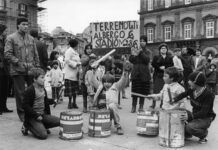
(197, 127)
(85, 94)
(3, 89)
(39, 128)
(19, 88)
(10, 87)
(134, 101)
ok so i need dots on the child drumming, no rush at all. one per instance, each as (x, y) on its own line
(38, 116)
(108, 92)
(170, 90)
(56, 76)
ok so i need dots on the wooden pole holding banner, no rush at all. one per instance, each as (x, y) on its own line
(96, 63)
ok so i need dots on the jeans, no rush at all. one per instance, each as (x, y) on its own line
(114, 114)
(39, 128)
(19, 88)
(84, 94)
(198, 127)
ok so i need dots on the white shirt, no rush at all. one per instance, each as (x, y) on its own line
(196, 62)
(175, 89)
(178, 63)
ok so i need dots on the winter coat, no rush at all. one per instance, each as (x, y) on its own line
(140, 70)
(21, 53)
(72, 62)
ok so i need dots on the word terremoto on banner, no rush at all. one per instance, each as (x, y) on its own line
(115, 34)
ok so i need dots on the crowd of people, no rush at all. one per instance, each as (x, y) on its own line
(168, 77)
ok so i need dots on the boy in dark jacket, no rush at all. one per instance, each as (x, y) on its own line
(38, 116)
(211, 75)
(198, 121)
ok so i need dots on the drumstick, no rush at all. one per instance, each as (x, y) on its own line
(141, 95)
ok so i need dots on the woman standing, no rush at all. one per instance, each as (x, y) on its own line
(71, 69)
(160, 63)
(85, 65)
(140, 76)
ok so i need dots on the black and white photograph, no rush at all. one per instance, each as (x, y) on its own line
(108, 74)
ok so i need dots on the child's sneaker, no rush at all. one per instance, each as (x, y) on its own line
(24, 130)
(202, 140)
(120, 131)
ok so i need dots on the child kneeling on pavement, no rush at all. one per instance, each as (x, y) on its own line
(38, 116)
(108, 93)
(198, 121)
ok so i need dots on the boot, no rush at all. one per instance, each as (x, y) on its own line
(140, 108)
(120, 131)
(75, 106)
(133, 109)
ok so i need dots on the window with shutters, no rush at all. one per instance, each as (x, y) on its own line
(187, 31)
(167, 3)
(150, 5)
(210, 26)
(209, 29)
(150, 34)
(2, 4)
(167, 33)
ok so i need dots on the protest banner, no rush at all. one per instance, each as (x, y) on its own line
(115, 34)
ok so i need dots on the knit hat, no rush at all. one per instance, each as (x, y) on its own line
(198, 78)
(20, 20)
(2, 28)
(108, 78)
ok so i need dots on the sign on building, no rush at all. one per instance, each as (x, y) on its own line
(115, 34)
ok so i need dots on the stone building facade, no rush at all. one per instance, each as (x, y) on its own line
(191, 23)
(10, 10)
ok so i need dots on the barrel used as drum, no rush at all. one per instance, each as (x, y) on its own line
(147, 123)
(71, 123)
(171, 128)
(99, 123)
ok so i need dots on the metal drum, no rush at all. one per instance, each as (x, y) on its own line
(71, 123)
(99, 123)
(171, 128)
(147, 123)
